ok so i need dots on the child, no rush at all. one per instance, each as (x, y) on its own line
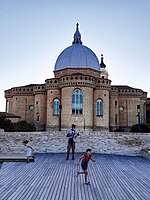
(84, 163)
(28, 151)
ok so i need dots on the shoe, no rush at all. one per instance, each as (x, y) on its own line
(33, 158)
(67, 158)
(78, 174)
(73, 158)
(87, 183)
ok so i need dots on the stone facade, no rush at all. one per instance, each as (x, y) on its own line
(113, 97)
(77, 67)
(56, 142)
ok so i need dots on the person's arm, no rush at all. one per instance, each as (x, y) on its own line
(31, 148)
(76, 134)
(69, 134)
(92, 160)
(80, 160)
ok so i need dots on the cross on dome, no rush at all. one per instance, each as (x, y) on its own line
(77, 36)
(77, 26)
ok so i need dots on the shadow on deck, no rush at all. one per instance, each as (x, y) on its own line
(51, 177)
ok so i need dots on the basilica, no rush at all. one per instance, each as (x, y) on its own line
(80, 93)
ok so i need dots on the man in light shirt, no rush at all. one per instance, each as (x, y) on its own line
(71, 134)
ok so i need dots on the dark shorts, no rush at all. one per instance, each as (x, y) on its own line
(71, 145)
(84, 165)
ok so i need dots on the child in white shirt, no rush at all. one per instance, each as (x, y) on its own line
(28, 150)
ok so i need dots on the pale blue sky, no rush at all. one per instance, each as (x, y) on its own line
(34, 32)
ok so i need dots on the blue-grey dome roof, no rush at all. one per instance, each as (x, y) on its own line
(77, 56)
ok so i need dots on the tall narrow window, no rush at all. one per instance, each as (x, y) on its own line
(37, 117)
(99, 107)
(56, 107)
(77, 102)
(7, 106)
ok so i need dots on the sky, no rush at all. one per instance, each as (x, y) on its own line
(34, 32)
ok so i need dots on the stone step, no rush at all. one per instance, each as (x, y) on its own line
(14, 158)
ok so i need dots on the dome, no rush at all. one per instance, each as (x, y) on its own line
(77, 56)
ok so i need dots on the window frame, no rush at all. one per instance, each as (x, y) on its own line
(56, 104)
(77, 102)
(99, 107)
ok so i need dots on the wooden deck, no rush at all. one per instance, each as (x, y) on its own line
(51, 177)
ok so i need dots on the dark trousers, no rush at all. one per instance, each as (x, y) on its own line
(71, 145)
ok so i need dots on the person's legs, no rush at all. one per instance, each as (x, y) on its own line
(86, 173)
(73, 150)
(85, 176)
(28, 160)
(84, 167)
(68, 150)
(80, 173)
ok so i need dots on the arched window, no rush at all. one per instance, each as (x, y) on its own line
(77, 102)
(37, 117)
(56, 107)
(99, 107)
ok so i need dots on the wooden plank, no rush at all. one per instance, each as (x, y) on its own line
(52, 177)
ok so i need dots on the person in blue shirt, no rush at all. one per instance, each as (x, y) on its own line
(71, 134)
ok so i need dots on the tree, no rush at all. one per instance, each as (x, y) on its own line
(6, 124)
(23, 126)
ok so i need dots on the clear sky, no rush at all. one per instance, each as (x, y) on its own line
(34, 32)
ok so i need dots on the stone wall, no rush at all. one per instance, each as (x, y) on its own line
(54, 141)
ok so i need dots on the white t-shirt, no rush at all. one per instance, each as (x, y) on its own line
(28, 151)
(74, 132)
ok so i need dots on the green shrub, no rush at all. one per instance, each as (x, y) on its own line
(144, 128)
(6, 124)
(23, 126)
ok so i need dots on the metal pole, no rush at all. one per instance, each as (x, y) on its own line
(139, 128)
(60, 107)
(138, 110)
(6, 108)
(84, 124)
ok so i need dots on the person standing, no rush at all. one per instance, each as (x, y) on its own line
(71, 134)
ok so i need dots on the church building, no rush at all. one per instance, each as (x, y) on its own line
(80, 93)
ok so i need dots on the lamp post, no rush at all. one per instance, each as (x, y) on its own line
(60, 107)
(84, 124)
(138, 115)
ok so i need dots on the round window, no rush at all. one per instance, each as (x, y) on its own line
(121, 108)
(31, 107)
